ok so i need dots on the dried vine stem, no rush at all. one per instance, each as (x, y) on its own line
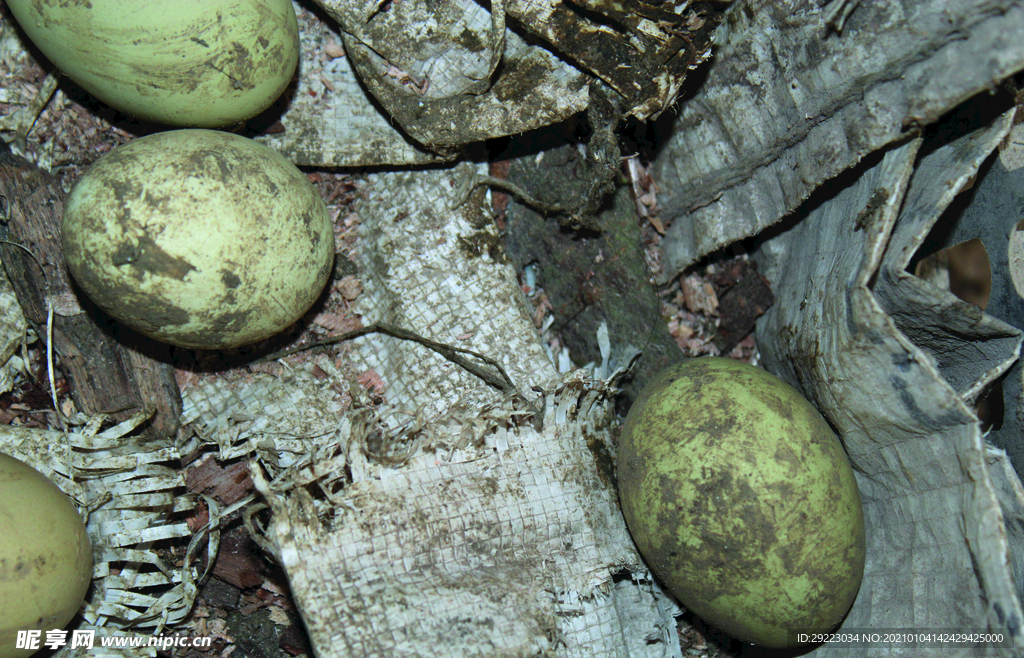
(604, 115)
(500, 381)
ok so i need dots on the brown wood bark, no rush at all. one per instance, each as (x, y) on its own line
(743, 297)
(111, 370)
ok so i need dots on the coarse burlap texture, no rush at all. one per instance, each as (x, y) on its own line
(460, 520)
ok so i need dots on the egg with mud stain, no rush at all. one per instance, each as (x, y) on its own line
(189, 63)
(198, 238)
(742, 500)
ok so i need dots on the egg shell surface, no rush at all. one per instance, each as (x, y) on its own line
(45, 555)
(189, 63)
(198, 238)
(741, 499)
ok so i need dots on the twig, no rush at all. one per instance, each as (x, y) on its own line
(500, 381)
(476, 180)
(49, 370)
(838, 12)
(22, 121)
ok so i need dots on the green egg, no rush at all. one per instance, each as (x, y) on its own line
(188, 63)
(45, 556)
(198, 238)
(742, 501)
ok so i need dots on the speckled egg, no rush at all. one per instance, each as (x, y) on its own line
(741, 499)
(194, 63)
(198, 238)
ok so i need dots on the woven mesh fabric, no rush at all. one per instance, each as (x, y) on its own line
(498, 532)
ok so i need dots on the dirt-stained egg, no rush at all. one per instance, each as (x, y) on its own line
(198, 238)
(189, 63)
(45, 555)
(741, 499)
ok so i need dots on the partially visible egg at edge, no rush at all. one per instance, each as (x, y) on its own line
(45, 555)
(188, 63)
